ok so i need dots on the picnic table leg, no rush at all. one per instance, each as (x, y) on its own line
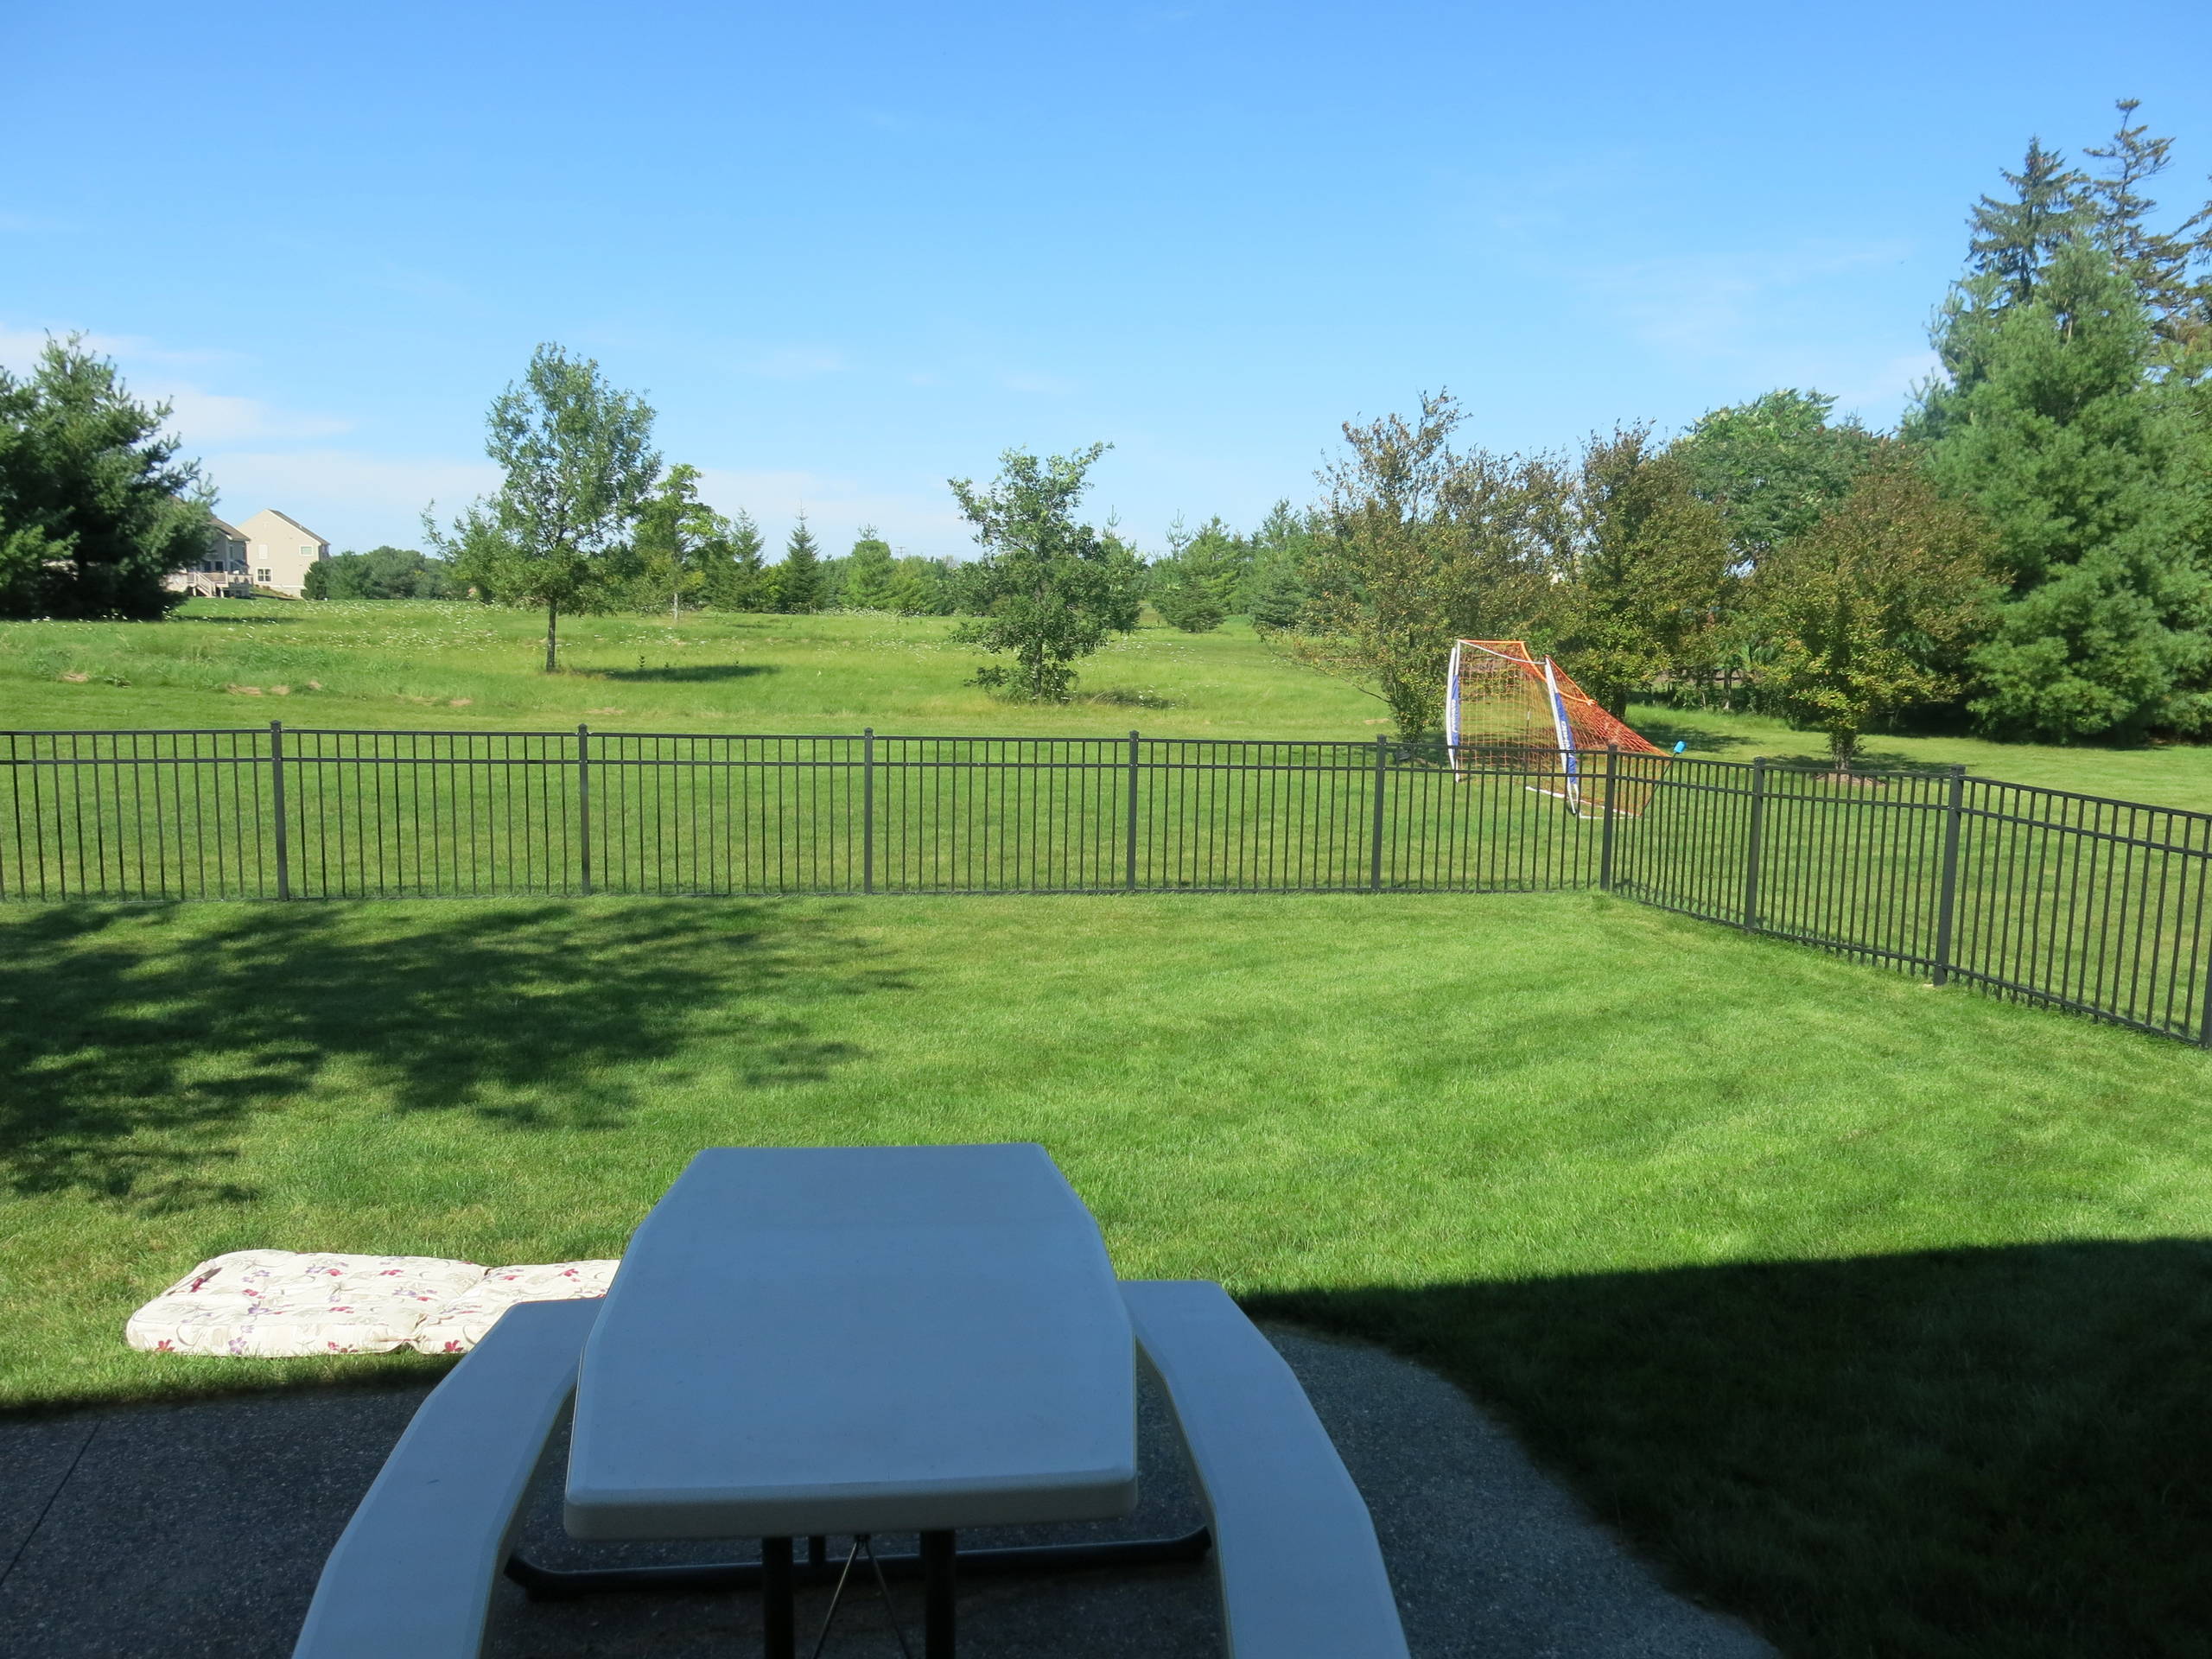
(779, 1639)
(938, 1563)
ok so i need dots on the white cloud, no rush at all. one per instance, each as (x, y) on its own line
(836, 508)
(355, 498)
(204, 418)
(1724, 304)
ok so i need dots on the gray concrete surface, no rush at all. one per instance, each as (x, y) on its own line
(198, 1530)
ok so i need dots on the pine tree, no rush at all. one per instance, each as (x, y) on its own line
(798, 578)
(2015, 240)
(95, 507)
(2156, 262)
(869, 574)
(734, 577)
(2090, 469)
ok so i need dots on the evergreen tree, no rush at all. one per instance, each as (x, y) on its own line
(733, 577)
(95, 507)
(1275, 586)
(2156, 262)
(869, 574)
(2092, 473)
(920, 589)
(798, 578)
(1186, 597)
(2014, 240)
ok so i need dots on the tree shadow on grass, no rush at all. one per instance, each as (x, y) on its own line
(135, 1042)
(689, 674)
(1695, 739)
(1990, 1452)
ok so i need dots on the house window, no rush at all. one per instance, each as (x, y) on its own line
(306, 552)
(261, 576)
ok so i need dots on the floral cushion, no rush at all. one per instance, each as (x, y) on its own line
(460, 1324)
(271, 1304)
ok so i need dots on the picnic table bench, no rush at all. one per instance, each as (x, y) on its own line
(773, 1437)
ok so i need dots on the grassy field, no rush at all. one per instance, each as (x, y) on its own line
(400, 664)
(1883, 1315)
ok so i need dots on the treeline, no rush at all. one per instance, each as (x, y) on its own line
(2029, 554)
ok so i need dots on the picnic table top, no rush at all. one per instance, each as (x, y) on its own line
(838, 1339)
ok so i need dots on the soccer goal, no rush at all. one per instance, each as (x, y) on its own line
(1505, 710)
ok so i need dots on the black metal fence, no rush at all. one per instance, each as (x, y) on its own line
(2093, 904)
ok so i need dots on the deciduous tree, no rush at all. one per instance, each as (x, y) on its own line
(1048, 589)
(1872, 610)
(579, 460)
(1642, 571)
(1421, 545)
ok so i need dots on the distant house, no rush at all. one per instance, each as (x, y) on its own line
(279, 550)
(224, 570)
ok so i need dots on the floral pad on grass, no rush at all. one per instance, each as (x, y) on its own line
(284, 1304)
(276, 1304)
(460, 1324)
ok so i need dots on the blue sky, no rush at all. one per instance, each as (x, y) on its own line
(847, 250)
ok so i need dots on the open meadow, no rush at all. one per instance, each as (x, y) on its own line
(1875, 1312)
(398, 664)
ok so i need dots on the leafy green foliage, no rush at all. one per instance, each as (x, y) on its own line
(579, 460)
(381, 573)
(1642, 570)
(1421, 545)
(679, 543)
(2093, 473)
(1773, 466)
(96, 508)
(1048, 589)
(1871, 611)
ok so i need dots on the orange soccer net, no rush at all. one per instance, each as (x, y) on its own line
(1505, 710)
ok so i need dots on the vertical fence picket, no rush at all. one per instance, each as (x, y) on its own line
(283, 841)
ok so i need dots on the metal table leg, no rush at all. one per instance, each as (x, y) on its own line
(779, 1639)
(938, 1577)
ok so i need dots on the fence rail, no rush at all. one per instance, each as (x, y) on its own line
(2093, 904)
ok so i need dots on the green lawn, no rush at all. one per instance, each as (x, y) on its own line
(397, 663)
(1879, 1314)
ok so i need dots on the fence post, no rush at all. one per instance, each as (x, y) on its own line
(1375, 846)
(1605, 836)
(867, 809)
(1129, 876)
(276, 800)
(1953, 812)
(1751, 847)
(584, 800)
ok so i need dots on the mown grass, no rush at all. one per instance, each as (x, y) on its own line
(1881, 1314)
(410, 664)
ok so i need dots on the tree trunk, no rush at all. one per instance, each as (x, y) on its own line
(552, 614)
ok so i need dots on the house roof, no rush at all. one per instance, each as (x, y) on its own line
(295, 525)
(230, 531)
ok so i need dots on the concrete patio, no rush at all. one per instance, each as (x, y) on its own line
(199, 1530)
